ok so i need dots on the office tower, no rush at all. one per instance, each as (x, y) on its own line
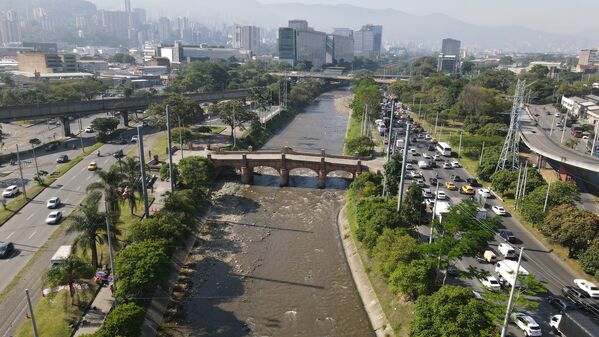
(448, 63)
(451, 47)
(164, 29)
(347, 32)
(247, 38)
(115, 22)
(588, 57)
(340, 48)
(298, 24)
(287, 45)
(299, 42)
(10, 30)
(368, 41)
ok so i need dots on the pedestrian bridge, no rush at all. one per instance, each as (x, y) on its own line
(286, 160)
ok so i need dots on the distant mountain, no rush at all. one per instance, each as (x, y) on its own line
(420, 30)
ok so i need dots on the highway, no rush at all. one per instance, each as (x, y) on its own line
(538, 260)
(29, 232)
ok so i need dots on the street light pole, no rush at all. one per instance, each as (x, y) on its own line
(170, 150)
(482, 150)
(436, 121)
(21, 172)
(81, 135)
(564, 129)
(547, 197)
(403, 168)
(460, 147)
(31, 314)
(594, 141)
(110, 256)
(430, 239)
(551, 131)
(509, 303)
(142, 167)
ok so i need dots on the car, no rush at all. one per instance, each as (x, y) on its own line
(456, 177)
(427, 156)
(11, 191)
(431, 147)
(450, 186)
(52, 121)
(6, 249)
(413, 152)
(574, 294)
(507, 236)
(89, 129)
(427, 193)
(118, 154)
(498, 210)
(557, 114)
(527, 324)
(420, 182)
(441, 195)
(428, 137)
(63, 158)
(51, 147)
(120, 141)
(446, 165)
(433, 181)
(484, 193)
(53, 202)
(134, 139)
(472, 182)
(437, 157)
(585, 137)
(54, 217)
(467, 189)
(429, 203)
(589, 287)
(409, 166)
(92, 166)
(562, 304)
(414, 174)
(455, 164)
(490, 282)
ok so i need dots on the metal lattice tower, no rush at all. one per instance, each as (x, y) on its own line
(509, 153)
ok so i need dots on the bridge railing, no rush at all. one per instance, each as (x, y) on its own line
(289, 150)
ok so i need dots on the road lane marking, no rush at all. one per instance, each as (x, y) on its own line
(11, 234)
(32, 234)
(31, 216)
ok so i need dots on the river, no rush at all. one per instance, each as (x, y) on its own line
(270, 260)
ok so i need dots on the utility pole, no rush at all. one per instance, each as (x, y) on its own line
(547, 197)
(110, 256)
(419, 107)
(170, 149)
(37, 171)
(564, 129)
(430, 238)
(436, 120)
(509, 303)
(403, 168)
(552, 123)
(31, 314)
(594, 141)
(460, 147)
(142, 166)
(482, 150)
(81, 135)
(517, 191)
(21, 172)
(180, 136)
(390, 129)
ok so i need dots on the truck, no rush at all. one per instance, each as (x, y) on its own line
(62, 253)
(506, 250)
(574, 323)
(506, 270)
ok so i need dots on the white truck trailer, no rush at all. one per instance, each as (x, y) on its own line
(506, 270)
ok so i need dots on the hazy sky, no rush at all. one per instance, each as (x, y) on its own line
(556, 16)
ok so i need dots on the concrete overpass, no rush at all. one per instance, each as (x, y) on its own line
(286, 160)
(382, 79)
(539, 142)
(64, 110)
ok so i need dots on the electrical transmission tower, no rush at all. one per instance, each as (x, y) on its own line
(509, 153)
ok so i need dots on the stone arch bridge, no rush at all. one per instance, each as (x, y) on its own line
(286, 160)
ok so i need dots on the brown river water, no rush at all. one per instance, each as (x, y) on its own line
(270, 260)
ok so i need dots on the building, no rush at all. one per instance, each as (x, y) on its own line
(340, 49)
(451, 47)
(164, 29)
(368, 41)
(247, 38)
(10, 29)
(584, 108)
(448, 63)
(92, 66)
(159, 62)
(115, 22)
(347, 32)
(588, 59)
(179, 53)
(45, 47)
(47, 63)
(301, 43)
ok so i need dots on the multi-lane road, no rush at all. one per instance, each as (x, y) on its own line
(538, 260)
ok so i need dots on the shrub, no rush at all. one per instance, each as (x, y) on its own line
(125, 320)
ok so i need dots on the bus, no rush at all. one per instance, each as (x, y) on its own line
(444, 149)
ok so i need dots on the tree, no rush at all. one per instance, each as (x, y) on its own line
(589, 260)
(560, 193)
(571, 227)
(125, 320)
(35, 142)
(131, 183)
(126, 89)
(109, 183)
(365, 185)
(105, 125)
(140, 267)
(233, 114)
(165, 228)
(89, 88)
(72, 270)
(181, 108)
(572, 143)
(392, 248)
(503, 180)
(261, 97)
(359, 146)
(393, 173)
(91, 226)
(165, 172)
(184, 135)
(413, 205)
(451, 311)
(373, 215)
(415, 278)
(366, 95)
(206, 76)
(122, 58)
(196, 172)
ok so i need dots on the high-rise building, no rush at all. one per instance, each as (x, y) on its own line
(347, 32)
(588, 57)
(448, 63)
(340, 48)
(164, 29)
(287, 45)
(451, 47)
(115, 22)
(10, 30)
(368, 41)
(298, 24)
(300, 43)
(247, 38)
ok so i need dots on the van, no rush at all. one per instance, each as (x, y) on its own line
(490, 256)
(506, 250)
(423, 164)
(61, 255)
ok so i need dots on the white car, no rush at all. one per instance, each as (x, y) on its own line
(589, 287)
(437, 157)
(426, 193)
(446, 165)
(455, 164)
(409, 166)
(490, 282)
(498, 210)
(53, 202)
(413, 152)
(428, 137)
(10, 191)
(527, 324)
(484, 193)
(134, 139)
(54, 217)
(441, 195)
(89, 129)
(413, 174)
(430, 203)
(427, 156)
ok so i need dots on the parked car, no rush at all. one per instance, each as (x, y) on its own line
(507, 236)
(450, 186)
(54, 217)
(413, 152)
(506, 250)
(455, 164)
(589, 287)
(426, 193)
(490, 282)
(63, 158)
(11, 191)
(498, 210)
(409, 166)
(6, 249)
(53, 202)
(527, 324)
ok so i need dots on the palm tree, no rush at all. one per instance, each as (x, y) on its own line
(91, 226)
(109, 184)
(70, 271)
(131, 181)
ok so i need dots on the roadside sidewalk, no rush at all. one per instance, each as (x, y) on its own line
(94, 317)
(371, 303)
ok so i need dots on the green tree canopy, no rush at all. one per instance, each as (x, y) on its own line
(571, 227)
(196, 172)
(233, 114)
(359, 146)
(125, 320)
(393, 173)
(181, 108)
(415, 278)
(394, 247)
(374, 214)
(560, 193)
(413, 205)
(366, 184)
(166, 228)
